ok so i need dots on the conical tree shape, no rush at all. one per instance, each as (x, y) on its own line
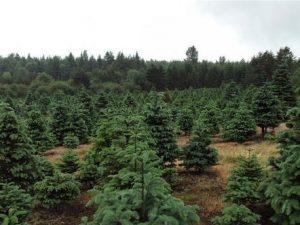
(69, 162)
(198, 154)
(18, 162)
(38, 131)
(282, 86)
(241, 127)
(158, 122)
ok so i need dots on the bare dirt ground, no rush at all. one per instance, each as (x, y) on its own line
(205, 190)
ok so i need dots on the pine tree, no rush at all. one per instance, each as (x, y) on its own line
(237, 215)
(241, 126)
(59, 124)
(283, 88)
(38, 131)
(69, 162)
(56, 190)
(18, 162)
(282, 187)
(266, 109)
(158, 122)
(198, 154)
(244, 180)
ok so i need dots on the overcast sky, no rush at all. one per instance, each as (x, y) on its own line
(157, 29)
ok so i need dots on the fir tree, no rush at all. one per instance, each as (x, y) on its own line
(266, 109)
(88, 109)
(282, 187)
(56, 190)
(38, 131)
(198, 154)
(186, 121)
(71, 141)
(77, 125)
(241, 126)
(59, 124)
(158, 122)
(237, 215)
(283, 88)
(13, 197)
(69, 162)
(18, 162)
(208, 117)
(244, 180)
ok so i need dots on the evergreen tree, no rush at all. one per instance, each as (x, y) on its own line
(18, 162)
(59, 124)
(282, 187)
(283, 88)
(56, 190)
(71, 141)
(198, 154)
(237, 215)
(158, 122)
(13, 197)
(88, 109)
(243, 182)
(38, 131)
(186, 121)
(77, 125)
(266, 109)
(208, 117)
(69, 162)
(241, 126)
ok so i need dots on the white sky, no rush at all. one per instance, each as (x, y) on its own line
(157, 29)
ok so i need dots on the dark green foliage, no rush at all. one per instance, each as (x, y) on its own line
(71, 141)
(240, 127)
(59, 124)
(231, 92)
(198, 154)
(208, 118)
(13, 217)
(138, 195)
(38, 132)
(282, 86)
(158, 122)
(186, 121)
(237, 215)
(282, 187)
(88, 109)
(46, 167)
(12, 197)
(69, 162)
(56, 190)
(18, 162)
(244, 180)
(266, 108)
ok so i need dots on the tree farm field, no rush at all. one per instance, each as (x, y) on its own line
(205, 189)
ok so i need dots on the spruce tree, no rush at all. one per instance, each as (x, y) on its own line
(243, 182)
(38, 131)
(241, 127)
(69, 162)
(282, 187)
(208, 117)
(88, 109)
(18, 162)
(237, 215)
(56, 190)
(283, 88)
(78, 125)
(198, 154)
(158, 122)
(71, 141)
(266, 109)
